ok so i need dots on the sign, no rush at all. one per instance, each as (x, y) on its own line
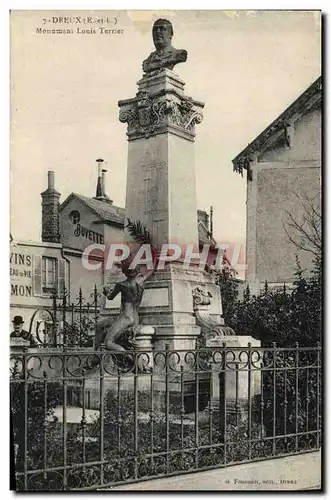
(21, 274)
(88, 234)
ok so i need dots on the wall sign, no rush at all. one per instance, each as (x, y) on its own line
(88, 234)
(21, 274)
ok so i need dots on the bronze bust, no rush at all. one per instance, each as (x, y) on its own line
(165, 55)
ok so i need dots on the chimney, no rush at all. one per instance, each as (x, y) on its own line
(211, 229)
(50, 212)
(101, 184)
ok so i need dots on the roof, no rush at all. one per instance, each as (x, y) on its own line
(311, 97)
(115, 215)
(104, 210)
(31, 243)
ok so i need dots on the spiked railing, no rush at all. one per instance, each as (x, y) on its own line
(78, 428)
(69, 322)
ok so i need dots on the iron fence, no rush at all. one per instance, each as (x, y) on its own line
(68, 322)
(85, 420)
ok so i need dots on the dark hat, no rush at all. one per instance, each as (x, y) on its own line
(18, 320)
(130, 273)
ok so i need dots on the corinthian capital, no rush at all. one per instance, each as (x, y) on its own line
(147, 115)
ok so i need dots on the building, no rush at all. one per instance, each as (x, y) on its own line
(283, 167)
(36, 271)
(39, 269)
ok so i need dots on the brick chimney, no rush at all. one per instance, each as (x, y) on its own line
(50, 212)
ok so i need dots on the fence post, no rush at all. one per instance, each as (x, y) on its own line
(274, 363)
(64, 418)
(54, 320)
(25, 456)
(167, 400)
(45, 423)
(318, 396)
(102, 416)
(249, 394)
(64, 317)
(80, 302)
(296, 394)
(222, 399)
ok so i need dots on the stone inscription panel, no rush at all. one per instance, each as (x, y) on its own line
(152, 175)
(155, 297)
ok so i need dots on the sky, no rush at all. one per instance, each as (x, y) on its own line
(246, 66)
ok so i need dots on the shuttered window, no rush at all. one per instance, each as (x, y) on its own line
(50, 276)
(37, 275)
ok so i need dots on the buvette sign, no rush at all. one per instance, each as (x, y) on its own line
(85, 232)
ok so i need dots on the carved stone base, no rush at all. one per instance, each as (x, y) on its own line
(174, 321)
(167, 306)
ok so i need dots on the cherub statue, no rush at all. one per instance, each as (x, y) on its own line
(110, 333)
(131, 290)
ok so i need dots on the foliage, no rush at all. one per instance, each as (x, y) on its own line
(36, 411)
(290, 395)
(290, 315)
(77, 332)
(137, 440)
(281, 316)
(138, 231)
(229, 292)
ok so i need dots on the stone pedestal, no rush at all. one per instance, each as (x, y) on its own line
(241, 379)
(161, 193)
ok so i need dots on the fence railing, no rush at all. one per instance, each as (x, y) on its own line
(87, 420)
(68, 322)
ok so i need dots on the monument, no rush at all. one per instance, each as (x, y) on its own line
(161, 192)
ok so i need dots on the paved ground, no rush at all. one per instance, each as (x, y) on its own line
(298, 472)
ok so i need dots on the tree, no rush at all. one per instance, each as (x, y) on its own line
(284, 316)
(280, 316)
(305, 233)
(229, 293)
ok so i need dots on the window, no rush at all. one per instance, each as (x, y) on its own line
(48, 277)
(74, 216)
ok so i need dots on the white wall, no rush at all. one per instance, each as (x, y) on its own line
(278, 176)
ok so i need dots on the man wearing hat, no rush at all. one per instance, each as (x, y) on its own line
(20, 333)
